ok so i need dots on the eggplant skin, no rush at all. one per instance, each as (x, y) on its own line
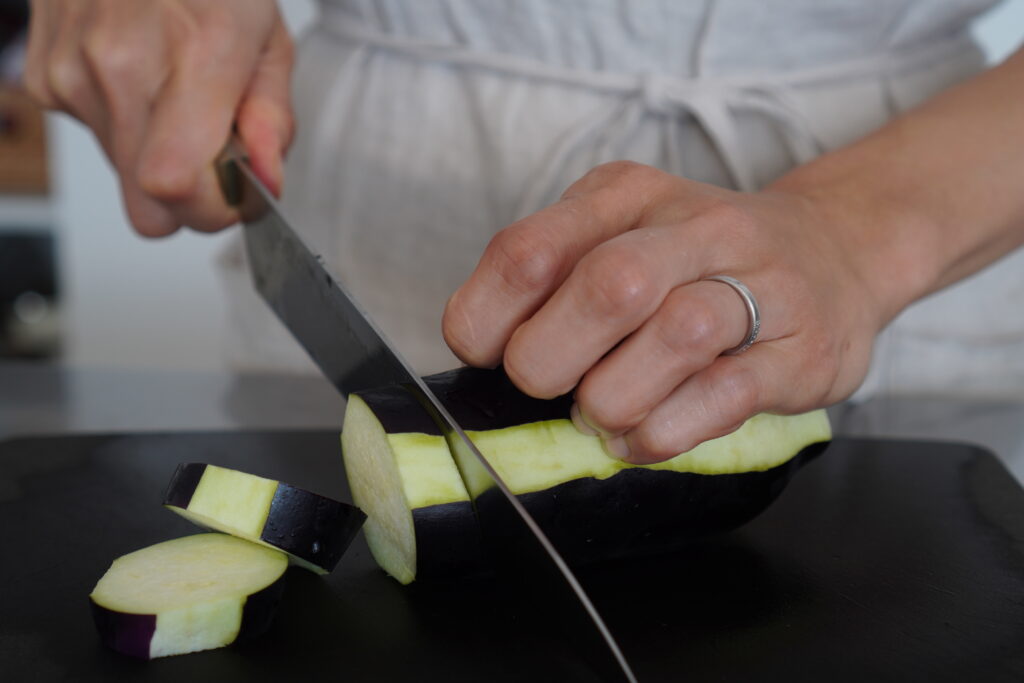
(129, 634)
(480, 399)
(484, 399)
(259, 610)
(312, 529)
(641, 512)
(448, 541)
(308, 526)
(183, 484)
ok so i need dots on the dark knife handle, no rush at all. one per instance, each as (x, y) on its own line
(226, 166)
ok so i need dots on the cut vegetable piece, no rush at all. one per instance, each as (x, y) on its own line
(420, 521)
(193, 593)
(592, 507)
(315, 531)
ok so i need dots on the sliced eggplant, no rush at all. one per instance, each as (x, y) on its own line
(313, 530)
(593, 507)
(420, 520)
(189, 594)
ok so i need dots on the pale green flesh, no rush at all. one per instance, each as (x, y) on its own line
(196, 586)
(377, 489)
(539, 455)
(217, 525)
(236, 502)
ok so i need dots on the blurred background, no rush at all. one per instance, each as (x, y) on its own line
(79, 287)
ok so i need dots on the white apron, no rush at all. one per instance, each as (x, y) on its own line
(425, 126)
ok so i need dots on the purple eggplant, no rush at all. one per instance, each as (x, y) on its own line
(189, 594)
(420, 518)
(313, 530)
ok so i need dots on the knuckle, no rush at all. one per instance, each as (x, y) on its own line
(163, 179)
(525, 260)
(625, 169)
(687, 330)
(611, 173)
(66, 80)
(616, 282)
(112, 60)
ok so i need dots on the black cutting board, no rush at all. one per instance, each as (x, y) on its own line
(883, 560)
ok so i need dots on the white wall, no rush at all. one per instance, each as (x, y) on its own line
(133, 302)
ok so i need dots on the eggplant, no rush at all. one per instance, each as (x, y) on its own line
(313, 530)
(420, 519)
(592, 507)
(189, 594)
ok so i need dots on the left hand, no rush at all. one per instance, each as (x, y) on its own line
(605, 291)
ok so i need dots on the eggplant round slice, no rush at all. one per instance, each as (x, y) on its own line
(189, 594)
(593, 507)
(313, 530)
(420, 520)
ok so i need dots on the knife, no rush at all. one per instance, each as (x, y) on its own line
(354, 355)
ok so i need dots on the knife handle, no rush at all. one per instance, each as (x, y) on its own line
(226, 166)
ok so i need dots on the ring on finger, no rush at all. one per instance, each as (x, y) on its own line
(753, 313)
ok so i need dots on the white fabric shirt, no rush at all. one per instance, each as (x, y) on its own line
(425, 126)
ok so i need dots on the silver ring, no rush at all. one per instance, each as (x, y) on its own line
(754, 327)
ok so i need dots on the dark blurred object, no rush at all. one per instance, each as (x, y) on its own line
(22, 130)
(28, 280)
(13, 21)
(28, 295)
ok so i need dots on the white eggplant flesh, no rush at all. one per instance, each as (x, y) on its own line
(188, 594)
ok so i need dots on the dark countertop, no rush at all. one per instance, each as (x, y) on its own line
(909, 577)
(44, 399)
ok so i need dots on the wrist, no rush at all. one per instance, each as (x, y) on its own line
(889, 247)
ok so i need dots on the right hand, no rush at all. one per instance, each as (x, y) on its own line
(161, 83)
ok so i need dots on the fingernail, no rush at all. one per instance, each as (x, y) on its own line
(616, 448)
(581, 425)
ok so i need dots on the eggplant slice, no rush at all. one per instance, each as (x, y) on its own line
(189, 594)
(420, 520)
(313, 530)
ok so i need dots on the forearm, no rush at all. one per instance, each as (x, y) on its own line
(933, 196)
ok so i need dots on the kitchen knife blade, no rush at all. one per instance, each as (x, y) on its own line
(354, 355)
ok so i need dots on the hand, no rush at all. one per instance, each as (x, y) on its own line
(160, 84)
(604, 291)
